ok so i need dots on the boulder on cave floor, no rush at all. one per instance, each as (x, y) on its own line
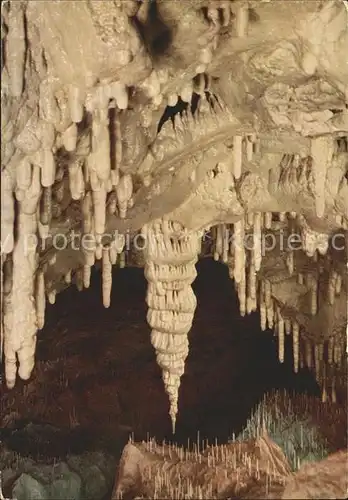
(327, 479)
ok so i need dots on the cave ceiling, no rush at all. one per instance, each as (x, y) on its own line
(153, 133)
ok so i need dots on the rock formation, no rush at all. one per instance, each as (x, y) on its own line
(155, 122)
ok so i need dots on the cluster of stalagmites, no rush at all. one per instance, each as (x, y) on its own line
(170, 257)
(254, 468)
(168, 471)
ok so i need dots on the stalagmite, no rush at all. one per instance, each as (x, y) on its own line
(296, 343)
(124, 191)
(40, 300)
(322, 150)
(170, 256)
(237, 156)
(107, 277)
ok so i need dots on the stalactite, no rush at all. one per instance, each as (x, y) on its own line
(86, 275)
(52, 296)
(280, 336)
(122, 260)
(76, 100)
(237, 156)
(20, 322)
(67, 277)
(242, 19)
(170, 256)
(332, 287)
(16, 48)
(257, 240)
(239, 251)
(70, 137)
(322, 150)
(107, 277)
(7, 212)
(40, 300)
(290, 262)
(308, 352)
(46, 206)
(225, 243)
(242, 294)
(268, 220)
(314, 296)
(270, 315)
(124, 191)
(99, 205)
(79, 278)
(296, 342)
(316, 362)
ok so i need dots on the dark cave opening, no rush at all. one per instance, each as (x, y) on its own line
(96, 375)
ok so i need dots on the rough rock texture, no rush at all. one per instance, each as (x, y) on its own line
(325, 479)
(120, 116)
(87, 476)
